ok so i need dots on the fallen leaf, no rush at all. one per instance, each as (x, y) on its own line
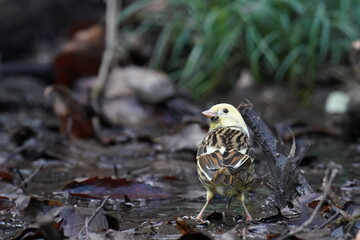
(5, 176)
(276, 235)
(5, 203)
(352, 208)
(338, 233)
(74, 220)
(81, 56)
(75, 118)
(116, 188)
(188, 232)
(29, 233)
(326, 206)
(351, 187)
(230, 235)
(32, 206)
(115, 235)
(275, 218)
(32, 233)
(314, 234)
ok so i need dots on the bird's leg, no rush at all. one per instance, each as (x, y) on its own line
(209, 196)
(227, 206)
(242, 200)
(229, 201)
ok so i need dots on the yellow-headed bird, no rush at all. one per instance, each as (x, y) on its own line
(225, 157)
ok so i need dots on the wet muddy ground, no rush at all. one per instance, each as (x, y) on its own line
(55, 181)
(137, 178)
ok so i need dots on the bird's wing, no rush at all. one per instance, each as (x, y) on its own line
(224, 147)
(236, 161)
(210, 163)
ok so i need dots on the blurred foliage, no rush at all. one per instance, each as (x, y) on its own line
(205, 44)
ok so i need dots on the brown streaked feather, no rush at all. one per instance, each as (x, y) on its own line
(228, 137)
(237, 154)
(209, 163)
(223, 177)
(231, 158)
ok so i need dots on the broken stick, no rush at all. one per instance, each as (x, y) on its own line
(285, 179)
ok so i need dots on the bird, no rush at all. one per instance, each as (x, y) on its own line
(225, 158)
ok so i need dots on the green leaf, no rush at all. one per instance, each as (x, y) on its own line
(325, 37)
(132, 9)
(161, 47)
(288, 60)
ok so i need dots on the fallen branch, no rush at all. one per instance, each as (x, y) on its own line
(285, 180)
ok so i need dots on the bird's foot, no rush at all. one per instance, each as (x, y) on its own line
(200, 220)
(249, 218)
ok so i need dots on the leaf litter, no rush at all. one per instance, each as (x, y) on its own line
(61, 186)
(116, 189)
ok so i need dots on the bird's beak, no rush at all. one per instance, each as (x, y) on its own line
(209, 113)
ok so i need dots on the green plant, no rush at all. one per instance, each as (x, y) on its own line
(205, 44)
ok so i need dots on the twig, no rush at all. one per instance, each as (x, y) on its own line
(304, 154)
(304, 187)
(347, 216)
(17, 170)
(330, 219)
(348, 234)
(317, 208)
(111, 41)
(27, 179)
(91, 218)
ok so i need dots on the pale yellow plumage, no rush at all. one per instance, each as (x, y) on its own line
(224, 158)
(231, 118)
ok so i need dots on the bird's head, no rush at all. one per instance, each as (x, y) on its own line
(224, 115)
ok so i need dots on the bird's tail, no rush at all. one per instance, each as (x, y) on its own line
(223, 177)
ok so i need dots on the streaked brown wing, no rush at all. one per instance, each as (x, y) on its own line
(227, 137)
(236, 161)
(235, 145)
(209, 163)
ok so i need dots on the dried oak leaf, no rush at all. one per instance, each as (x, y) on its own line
(81, 56)
(326, 206)
(116, 188)
(5, 176)
(188, 232)
(75, 118)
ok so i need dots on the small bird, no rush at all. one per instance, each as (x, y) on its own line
(225, 156)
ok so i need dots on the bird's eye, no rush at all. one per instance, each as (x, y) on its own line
(225, 110)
